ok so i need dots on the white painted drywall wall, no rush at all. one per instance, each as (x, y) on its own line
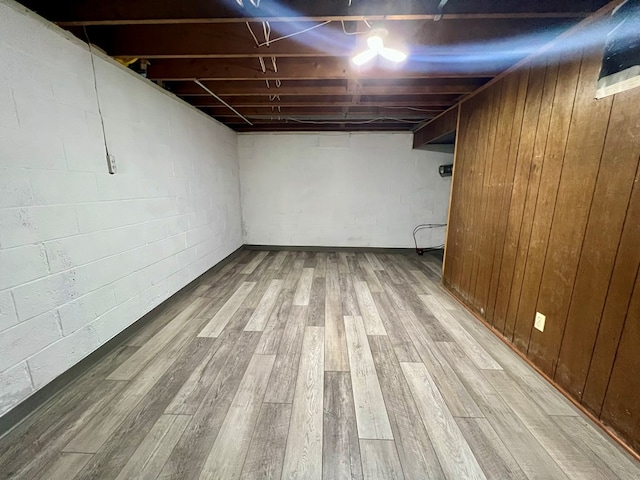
(84, 254)
(359, 189)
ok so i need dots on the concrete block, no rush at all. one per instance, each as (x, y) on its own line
(56, 187)
(20, 226)
(16, 386)
(8, 315)
(15, 189)
(28, 338)
(61, 355)
(84, 310)
(22, 264)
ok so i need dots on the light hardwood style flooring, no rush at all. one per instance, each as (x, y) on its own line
(312, 365)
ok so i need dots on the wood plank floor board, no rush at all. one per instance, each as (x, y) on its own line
(455, 455)
(188, 456)
(140, 358)
(440, 395)
(457, 397)
(273, 331)
(336, 357)
(492, 455)
(415, 449)
(37, 461)
(222, 318)
(303, 454)
(317, 302)
(472, 348)
(293, 276)
(192, 392)
(389, 266)
(266, 452)
(380, 460)
(400, 339)
(278, 261)
(52, 426)
(262, 277)
(283, 377)
(374, 261)
(67, 466)
(255, 261)
(320, 267)
(261, 314)
(407, 303)
(575, 462)
(372, 321)
(343, 265)
(532, 458)
(303, 291)
(285, 267)
(341, 450)
(594, 441)
(149, 458)
(348, 296)
(371, 412)
(126, 438)
(369, 273)
(226, 458)
(97, 430)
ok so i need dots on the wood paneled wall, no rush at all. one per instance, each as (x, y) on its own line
(545, 216)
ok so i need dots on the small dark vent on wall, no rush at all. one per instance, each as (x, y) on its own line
(445, 170)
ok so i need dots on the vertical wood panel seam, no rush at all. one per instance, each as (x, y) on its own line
(624, 324)
(584, 232)
(535, 204)
(508, 295)
(604, 304)
(507, 207)
(555, 203)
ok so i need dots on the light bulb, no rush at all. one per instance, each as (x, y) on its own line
(393, 54)
(375, 43)
(364, 57)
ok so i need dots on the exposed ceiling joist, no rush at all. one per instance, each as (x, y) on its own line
(114, 12)
(303, 78)
(302, 69)
(237, 89)
(235, 40)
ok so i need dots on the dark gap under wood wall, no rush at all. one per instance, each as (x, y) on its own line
(545, 217)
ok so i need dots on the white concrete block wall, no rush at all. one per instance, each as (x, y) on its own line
(84, 254)
(359, 189)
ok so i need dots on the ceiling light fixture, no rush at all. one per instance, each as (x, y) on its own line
(375, 42)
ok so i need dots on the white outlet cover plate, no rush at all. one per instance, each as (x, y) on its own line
(539, 321)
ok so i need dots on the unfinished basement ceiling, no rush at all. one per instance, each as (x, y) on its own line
(308, 81)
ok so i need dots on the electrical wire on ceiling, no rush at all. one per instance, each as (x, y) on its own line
(277, 39)
(223, 102)
(424, 226)
(440, 9)
(415, 109)
(356, 32)
(95, 86)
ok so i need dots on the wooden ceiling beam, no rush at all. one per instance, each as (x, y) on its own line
(345, 103)
(316, 127)
(235, 40)
(359, 111)
(114, 12)
(341, 100)
(238, 90)
(303, 69)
